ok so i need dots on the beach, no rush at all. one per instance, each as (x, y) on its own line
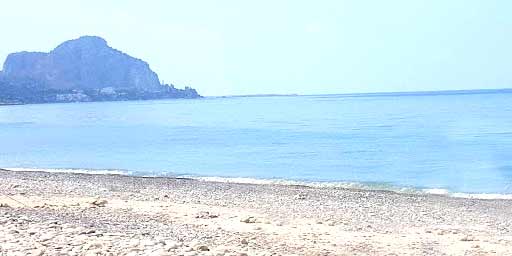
(82, 214)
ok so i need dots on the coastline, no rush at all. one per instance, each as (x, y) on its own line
(350, 185)
(88, 214)
(99, 101)
(10, 104)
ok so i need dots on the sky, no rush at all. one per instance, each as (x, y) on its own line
(237, 47)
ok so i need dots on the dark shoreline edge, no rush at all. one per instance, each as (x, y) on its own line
(106, 101)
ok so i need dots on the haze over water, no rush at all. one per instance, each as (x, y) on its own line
(462, 143)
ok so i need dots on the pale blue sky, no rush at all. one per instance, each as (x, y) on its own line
(271, 46)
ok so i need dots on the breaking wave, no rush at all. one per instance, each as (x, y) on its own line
(284, 182)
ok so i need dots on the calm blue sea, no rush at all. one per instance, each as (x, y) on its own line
(442, 142)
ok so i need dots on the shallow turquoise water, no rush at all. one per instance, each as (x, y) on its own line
(462, 143)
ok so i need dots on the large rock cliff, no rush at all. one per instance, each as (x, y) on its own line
(87, 67)
(84, 63)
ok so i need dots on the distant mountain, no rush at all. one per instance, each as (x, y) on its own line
(83, 69)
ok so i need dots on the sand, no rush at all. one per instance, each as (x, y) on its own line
(79, 214)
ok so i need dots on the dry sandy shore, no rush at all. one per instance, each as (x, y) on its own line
(76, 214)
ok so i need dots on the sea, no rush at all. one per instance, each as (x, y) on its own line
(455, 143)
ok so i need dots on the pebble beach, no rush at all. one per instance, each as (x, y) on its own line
(82, 214)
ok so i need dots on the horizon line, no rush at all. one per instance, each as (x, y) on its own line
(381, 93)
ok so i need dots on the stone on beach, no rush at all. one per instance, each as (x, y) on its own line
(46, 237)
(202, 248)
(206, 215)
(37, 252)
(300, 196)
(99, 202)
(467, 238)
(249, 219)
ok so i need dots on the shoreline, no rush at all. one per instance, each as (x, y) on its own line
(97, 101)
(348, 185)
(91, 214)
(355, 94)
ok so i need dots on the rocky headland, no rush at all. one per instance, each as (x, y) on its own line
(83, 69)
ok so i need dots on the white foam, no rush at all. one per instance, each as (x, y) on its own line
(257, 181)
(355, 185)
(436, 191)
(445, 192)
(315, 184)
(482, 196)
(71, 170)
